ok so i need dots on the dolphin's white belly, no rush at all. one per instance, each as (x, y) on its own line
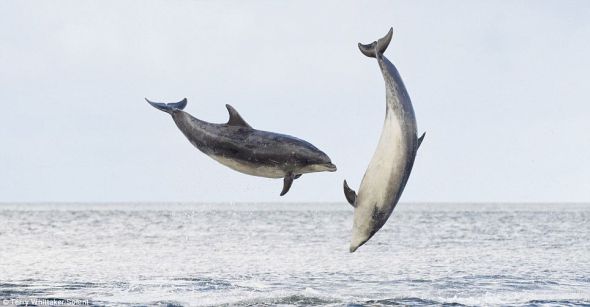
(386, 170)
(250, 168)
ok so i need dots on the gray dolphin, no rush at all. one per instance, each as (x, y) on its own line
(390, 167)
(240, 147)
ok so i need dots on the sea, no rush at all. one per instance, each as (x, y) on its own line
(265, 254)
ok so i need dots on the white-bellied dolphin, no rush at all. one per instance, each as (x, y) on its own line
(238, 146)
(390, 167)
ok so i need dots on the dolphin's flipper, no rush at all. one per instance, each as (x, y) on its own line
(235, 119)
(168, 107)
(350, 194)
(287, 182)
(377, 48)
(420, 139)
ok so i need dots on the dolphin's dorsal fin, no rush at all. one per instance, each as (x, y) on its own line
(235, 119)
(420, 139)
(350, 194)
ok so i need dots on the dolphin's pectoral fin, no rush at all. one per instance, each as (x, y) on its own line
(350, 194)
(420, 139)
(235, 119)
(287, 182)
(297, 176)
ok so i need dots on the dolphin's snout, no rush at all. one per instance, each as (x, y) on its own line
(354, 245)
(359, 237)
(331, 167)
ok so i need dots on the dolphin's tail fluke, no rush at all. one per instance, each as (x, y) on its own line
(374, 49)
(168, 107)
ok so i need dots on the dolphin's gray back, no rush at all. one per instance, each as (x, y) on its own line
(397, 97)
(244, 143)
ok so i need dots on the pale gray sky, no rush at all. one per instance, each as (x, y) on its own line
(501, 87)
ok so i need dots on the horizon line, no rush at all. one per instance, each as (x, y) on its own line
(288, 202)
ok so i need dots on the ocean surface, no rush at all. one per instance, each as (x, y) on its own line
(293, 254)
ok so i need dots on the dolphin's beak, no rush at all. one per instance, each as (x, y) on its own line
(330, 167)
(358, 239)
(355, 245)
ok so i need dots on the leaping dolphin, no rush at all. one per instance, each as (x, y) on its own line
(390, 167)
(240, 147)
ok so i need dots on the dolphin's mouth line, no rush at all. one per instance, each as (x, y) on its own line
(331, 167)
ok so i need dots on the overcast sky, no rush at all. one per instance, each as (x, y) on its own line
(500, 87)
